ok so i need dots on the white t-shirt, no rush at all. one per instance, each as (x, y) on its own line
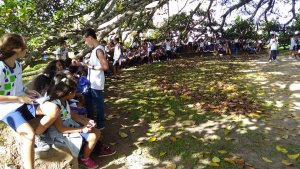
(273, 44)
(168, 45)
(96, 77)
(293, 43)
(117, 51)
(201, 44)
(191, 37)
(10, 85)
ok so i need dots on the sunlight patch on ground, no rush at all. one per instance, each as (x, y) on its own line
(210, 128)
(253, 128)
(122, 100)
(2, 150)
(260, 78)
(279, 104)
(275, 73)
(242, 131)
(131, 68)
(258, 62)
(295, 95)
(138, 159)
(281, 85)
(246, 122)
(295, 86)
(246, 71)
(296, 105)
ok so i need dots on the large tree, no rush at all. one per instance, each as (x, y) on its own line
(45, 23)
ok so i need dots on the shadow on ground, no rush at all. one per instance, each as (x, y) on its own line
(205, 112)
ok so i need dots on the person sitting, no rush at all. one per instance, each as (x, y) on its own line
(67, 128)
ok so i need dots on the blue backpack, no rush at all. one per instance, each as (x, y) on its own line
(83, 85)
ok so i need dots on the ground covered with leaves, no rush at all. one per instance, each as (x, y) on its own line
(205, 112)
(197, 113)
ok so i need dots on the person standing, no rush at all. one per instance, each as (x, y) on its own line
(117, 57)
(191, 37)
(168, 48)
(273, 46)
(150, 48)
(96, 66)
(293, 45)
(62, 51)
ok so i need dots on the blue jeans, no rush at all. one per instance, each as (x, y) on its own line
(94, 101)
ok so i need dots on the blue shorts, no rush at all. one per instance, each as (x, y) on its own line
(20, 116)
(79, 110)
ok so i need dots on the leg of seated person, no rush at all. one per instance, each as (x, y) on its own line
(48, 117)
(91, 142)
(18, 121)
(26, 134)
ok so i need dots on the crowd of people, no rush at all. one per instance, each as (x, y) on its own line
(151, 51)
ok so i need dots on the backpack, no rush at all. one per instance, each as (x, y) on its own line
(83, 85)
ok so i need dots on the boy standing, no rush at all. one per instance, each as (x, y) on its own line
(96, 67)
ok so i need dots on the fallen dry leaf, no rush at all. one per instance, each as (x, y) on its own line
(216, 160)
(229, 160)
(212, 164)
(112, 144)
(240, 163)
(170, 112)
(171, 166)
(267, 160)
(228, 138)
(293, 156)
(222, 151)
(281, 149)
(122, 134)
(152, 139)
(286, 162)
(173, 139)
(162, 154)
(226, 131)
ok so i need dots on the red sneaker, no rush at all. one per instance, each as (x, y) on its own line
(105, 150)
(88, 163)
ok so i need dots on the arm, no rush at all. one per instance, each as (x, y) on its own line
(83, 120)
(12, 99)
(51, 107)
(79, 118)
(102, 60)
(64, 129)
